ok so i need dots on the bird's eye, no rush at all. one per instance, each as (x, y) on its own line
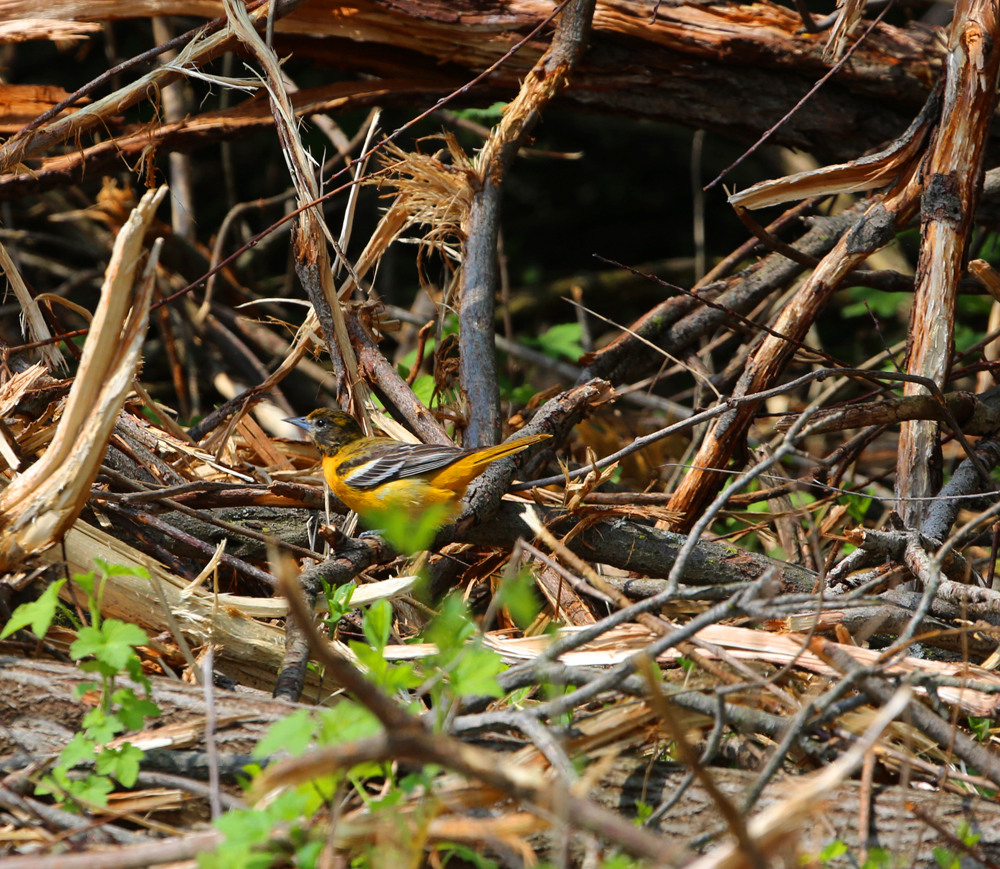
(320, 423)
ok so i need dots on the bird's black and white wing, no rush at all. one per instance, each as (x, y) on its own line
(394, 461)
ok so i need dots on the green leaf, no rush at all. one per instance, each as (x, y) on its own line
(522, 394)
(475, 674)
(346, 722)
(371, 659)
(91, 789)
(102, 726)
(134, 668)
(878, 858)
(133, 710)
(86, 581)
(377, 624)
(620, 861)
(421, 778)
(52, 785)
(390, 800)
(643, 812)
(980, 727)
(236, 853)
(85, 688)
(451, 627)
(292, 734)
(552, 692)
(120, 569)
(857, 506)
(489, 115)
(409, 533)
(338, 600)
(967, 836)
(562, 340)
(247, 827)
(946, 859)
(39, 613)
(307, 855)
(98, 667)
(410, 359)
(423, 389)
(79, 749)
(465, 854)
(399, 677)
(832, 851)
(881, 305)
(112, 644)
(518, 595)
(121, 763)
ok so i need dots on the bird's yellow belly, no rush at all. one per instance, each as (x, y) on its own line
(410, 494)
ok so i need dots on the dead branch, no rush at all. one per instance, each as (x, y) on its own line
(39, 506)
(949, 198)
(547, 78)
(774, 61)
(876, 227)
(941, 731)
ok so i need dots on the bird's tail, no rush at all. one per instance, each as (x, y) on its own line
(477, 462)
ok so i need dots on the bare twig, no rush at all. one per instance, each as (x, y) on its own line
(479, 263)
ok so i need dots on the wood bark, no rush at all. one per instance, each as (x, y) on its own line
(731, 69)
(876, 228)
(38, 700)
(893, 824)
(948, 206)
(480, 269)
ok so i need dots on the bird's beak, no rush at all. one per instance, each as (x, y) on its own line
(300, 421)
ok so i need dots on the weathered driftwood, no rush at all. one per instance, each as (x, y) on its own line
(953, 179)
(248, 651)
(618, 542)
(651, 551)
(39, 696)
(40, 505)
(729, 68)
(41, 710)
(894, 825)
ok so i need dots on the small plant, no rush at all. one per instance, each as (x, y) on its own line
(465, 854)
(686, 664)
(879, 858)
(643, 812)
(377, 627)
(980, 727)
(107, 648)
(492, 114)
(461, 667)
(338, 603)
(832, 851)
(407, 532)
(562, 340)
(517, 593)
(857, 506)
(620, 861)
(948, 859)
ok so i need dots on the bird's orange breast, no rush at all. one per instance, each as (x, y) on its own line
(408, 493)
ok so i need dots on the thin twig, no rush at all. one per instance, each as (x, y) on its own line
(833, 70)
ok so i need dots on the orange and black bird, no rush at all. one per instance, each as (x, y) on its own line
(374, 474)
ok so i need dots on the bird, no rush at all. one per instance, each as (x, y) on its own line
(374, 474)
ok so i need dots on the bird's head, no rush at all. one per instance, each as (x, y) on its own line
(329, 429)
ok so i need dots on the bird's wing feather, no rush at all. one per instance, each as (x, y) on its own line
(395, 461)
